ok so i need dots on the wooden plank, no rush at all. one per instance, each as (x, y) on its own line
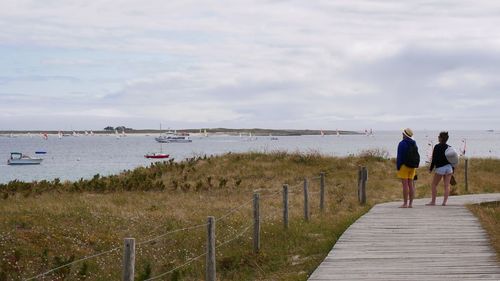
(423, 243)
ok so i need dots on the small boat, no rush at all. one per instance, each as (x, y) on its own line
(40, 152)
(272, 138)
(156, 155)
(17, 158)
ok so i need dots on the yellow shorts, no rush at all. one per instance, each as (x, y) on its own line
(406, 173)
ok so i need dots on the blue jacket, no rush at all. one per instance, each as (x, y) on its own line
(403, 146)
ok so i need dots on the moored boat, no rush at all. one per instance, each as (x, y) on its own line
(17, 158)
(156, 155)
(174, 137)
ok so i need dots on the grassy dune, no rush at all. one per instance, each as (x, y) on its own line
(47, 224)
(489, 216)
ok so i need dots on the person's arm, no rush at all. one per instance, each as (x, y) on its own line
(433, 161)
(401, 154)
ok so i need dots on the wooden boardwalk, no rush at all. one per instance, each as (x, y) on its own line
(423, 243)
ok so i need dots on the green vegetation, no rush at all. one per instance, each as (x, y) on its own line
(49, 223)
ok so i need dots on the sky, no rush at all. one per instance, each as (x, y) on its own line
(319, 64)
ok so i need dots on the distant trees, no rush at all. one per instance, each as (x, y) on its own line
(119, 128)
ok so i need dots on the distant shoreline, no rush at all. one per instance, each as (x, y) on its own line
(211, 131)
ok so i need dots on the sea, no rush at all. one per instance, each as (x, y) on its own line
(75, 157)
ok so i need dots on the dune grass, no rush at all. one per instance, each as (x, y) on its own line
(47, 224)
(489, 216)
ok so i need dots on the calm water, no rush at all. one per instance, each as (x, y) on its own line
(72, 158)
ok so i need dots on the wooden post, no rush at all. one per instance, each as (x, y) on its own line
(364, 175)
(322, 191)
(466, 175)
(256, 223)
(210, 265)
(306, 200)
(129, 260)
(360, 179)
(285, 206)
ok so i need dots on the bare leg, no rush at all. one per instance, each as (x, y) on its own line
(435, 181)
(447, 179)
(411, 185)
(405, 193)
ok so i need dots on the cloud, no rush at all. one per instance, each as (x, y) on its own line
(267, 63)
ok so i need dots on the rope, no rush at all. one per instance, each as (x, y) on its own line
(170, 232)
(296, 185)
(114, 249)
(182, 265)
(71, 263)
(235, 237)
(233, 210)
(197, 257)
(273, 194)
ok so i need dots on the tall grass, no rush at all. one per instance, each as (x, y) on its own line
(49, 223)
(489, 216)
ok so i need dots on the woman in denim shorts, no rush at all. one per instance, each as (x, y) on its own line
(444, 169)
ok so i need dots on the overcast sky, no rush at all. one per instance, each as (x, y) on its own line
(322, 64)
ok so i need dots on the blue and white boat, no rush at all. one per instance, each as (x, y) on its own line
(17, 158)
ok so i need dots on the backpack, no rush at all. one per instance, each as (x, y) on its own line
(412, 159)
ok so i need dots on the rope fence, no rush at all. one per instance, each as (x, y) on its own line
(129, 247)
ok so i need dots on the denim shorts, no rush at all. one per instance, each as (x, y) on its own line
(445, 170)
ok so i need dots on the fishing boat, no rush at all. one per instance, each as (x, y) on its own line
(17, 158)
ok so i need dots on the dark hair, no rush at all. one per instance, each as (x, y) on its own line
(443, 136)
